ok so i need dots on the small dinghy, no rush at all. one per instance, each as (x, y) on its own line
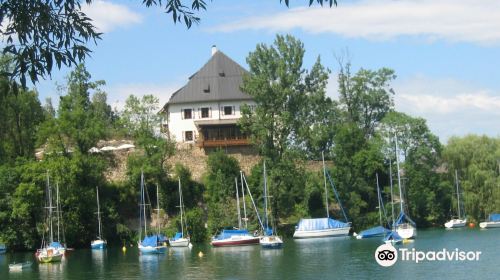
(19, 266)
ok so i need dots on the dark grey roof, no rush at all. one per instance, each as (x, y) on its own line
(219, 79)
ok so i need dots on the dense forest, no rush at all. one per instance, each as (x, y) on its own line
(293, 123)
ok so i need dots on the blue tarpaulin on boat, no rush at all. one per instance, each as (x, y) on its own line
(494, 218)
(178, 235)
(268, 231)
(227, 233)
(153, 240)
(375, 231)
(402, 218)
(319, 224)
(56, 245)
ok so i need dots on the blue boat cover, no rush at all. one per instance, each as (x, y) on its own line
(319, 224)
(374, 231)
(178, 235)
(268, 231)
(56, 245)
(227, 233)
(153, 240)
(392, 235)
(402, 218)
(494, 218)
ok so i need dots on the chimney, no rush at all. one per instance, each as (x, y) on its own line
(214, 49)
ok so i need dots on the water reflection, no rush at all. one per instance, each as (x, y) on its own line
(150, 264)
(51, 270)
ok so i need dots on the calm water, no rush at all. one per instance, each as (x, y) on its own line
(336, 258)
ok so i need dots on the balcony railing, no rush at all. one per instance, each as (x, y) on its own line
(222, 143)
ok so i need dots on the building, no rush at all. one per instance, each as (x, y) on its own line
(206, 110)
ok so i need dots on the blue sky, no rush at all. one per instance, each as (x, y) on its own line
(445, 52)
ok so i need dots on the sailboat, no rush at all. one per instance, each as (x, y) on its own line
(49, 251)
(154, 244)
(492, 222)
(380, 230)
(458, 222)
(179, 239)
(239, 236)
(98, 243)
(404, 225)
(392, 237)
(270, 240)
(323, 227)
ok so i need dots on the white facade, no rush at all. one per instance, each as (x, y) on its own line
(181, 118)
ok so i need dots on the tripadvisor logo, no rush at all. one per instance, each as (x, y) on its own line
(386, 255)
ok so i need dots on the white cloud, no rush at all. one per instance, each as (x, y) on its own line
(452, 20)
(107, 16)
(117, 94)
(451, 107)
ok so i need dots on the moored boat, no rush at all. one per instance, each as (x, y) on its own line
(99, 243)
(492, 222)
(234, 237)
(179, 240)
(457, 222)
(154, 244)
(270, 240)
(323, 227)
(3, 248)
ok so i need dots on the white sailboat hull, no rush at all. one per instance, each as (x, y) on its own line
(489, 225)
(456, 223)
(322, 233)
(181, 242)
(406, 231)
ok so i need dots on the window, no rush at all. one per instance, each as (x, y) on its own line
(205, 112)
(228, 110)
(188, 136)
(187, 114)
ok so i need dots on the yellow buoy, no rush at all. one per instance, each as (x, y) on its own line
(124, 249)
(200, 254)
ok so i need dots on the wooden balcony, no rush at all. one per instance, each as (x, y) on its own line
(222, 143)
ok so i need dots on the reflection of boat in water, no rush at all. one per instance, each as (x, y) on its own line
(51, 270)
(20, 266)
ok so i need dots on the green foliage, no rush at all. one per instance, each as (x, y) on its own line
(477, 160)
(196, 225)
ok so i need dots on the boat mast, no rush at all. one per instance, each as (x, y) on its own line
(244, 204)
(237, 202)
(158, 209)
(458, 195)
(392, 195)
(51, 236)
(143, 204)
(399, 176)
(379, 202)
(57, 210)
(98, 212)
(265, 195)
(326, 190)
(180, 205)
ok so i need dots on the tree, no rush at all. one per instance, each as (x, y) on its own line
(285, 93)
(40, 34)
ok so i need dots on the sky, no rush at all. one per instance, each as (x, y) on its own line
(446, 53)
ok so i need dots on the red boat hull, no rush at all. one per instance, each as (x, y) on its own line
(244, 242)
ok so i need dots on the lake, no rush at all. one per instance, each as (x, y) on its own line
(331, 258)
